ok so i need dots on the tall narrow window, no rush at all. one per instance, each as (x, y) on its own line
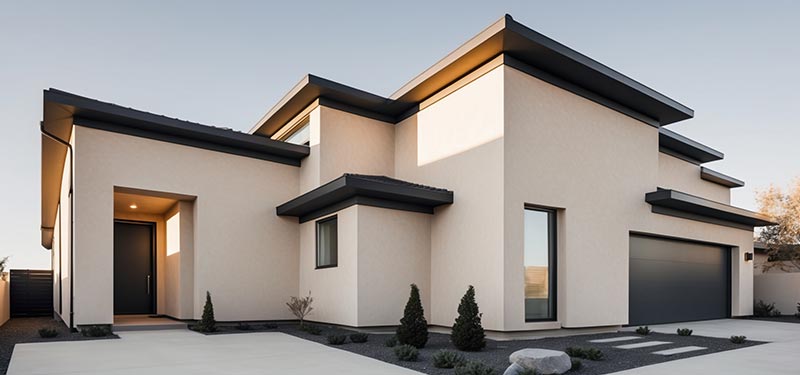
(540, 262)
(327, 246)
(301, 136)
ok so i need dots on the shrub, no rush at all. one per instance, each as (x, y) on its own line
(48, 332)
(413, 329)
(99, 330)
(684, 332)
(359, 338)
(207, 322)
(576, 364)
(337, 339)
(406, 352)
(312, 329)
(468, 333)
(474, 368)
(242, 326)
(447, 359)
(644, 331)
(301, 307)
(762, 309)
(591, 354)
(738, 339)
(391, 342)
(270, 326)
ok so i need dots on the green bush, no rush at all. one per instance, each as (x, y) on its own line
(337, 339)
(312, 329)
(738, 339)
(576, 364)
(591, 354)
(413, 329)
(644, 331)
(391, 342)
(405, 352)
(207, 322)
(99, 330)
(447, 359)
(468, 333)
(762, 309)
(47, 332)
(684, 332)
(474, 368)
(359, 338)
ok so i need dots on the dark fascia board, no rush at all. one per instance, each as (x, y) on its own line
(720, 178)
(348, 190)
(686, 203)
(687, 149)
(504, 37)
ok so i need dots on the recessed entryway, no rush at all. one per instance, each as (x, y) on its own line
(134, 267)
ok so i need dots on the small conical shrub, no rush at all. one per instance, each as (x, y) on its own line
(413, 329)
(207, 322)
(467, 331)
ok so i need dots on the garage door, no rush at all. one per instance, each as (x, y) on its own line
(677, 281)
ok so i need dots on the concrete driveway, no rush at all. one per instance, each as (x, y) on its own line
(777, 357)
(187, 352)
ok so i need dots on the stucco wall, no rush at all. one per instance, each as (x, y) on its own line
(595, 164)
(780, 288)
(5, 301)
(674, 173)
(244, 254)
(61, 250)
(456, 143)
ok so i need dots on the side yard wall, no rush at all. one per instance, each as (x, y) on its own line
(782, 289)
(5, 301)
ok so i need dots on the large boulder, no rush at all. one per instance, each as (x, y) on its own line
(544, 361)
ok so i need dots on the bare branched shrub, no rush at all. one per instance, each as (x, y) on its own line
(301, 307)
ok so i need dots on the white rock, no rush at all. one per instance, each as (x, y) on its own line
(544, 361)
(514, 369)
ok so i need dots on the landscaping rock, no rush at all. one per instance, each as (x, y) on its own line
(514, 369)
(544, 361)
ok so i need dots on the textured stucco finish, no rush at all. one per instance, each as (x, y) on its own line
(677, 174)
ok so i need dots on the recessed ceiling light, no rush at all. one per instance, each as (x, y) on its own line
(134, 206)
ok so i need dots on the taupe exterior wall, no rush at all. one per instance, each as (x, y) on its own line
(243, 253)
(677, 174)
(380, 253)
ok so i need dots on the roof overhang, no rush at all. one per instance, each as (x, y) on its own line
(720, 178)
(377, 191)
(62, 109)
(504, 37)
(676, 203)
(687, 149)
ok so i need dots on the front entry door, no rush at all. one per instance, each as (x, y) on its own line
(134, 279)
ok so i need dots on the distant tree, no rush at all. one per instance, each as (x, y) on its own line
(782, 240)
(3, 265)
(413, 329)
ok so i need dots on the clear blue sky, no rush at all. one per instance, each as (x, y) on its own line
(734, 63)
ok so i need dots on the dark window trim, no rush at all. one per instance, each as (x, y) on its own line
(552, 222)
(316, 243)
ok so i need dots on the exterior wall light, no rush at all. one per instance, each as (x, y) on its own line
(134, 206)
(748, 257)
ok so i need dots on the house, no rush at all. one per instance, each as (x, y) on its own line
(515, 164)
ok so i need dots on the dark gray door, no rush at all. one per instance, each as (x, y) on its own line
(676, 281)
(133, 268)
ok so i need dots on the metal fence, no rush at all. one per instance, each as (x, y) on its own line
(31, 293)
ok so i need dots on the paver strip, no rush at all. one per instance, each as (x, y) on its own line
(615, 339)
(646, 344)
(683, 349)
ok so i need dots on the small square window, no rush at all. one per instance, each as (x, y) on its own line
(327, 243)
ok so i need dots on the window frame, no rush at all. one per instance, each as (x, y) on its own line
(552, 262)
(317, 225)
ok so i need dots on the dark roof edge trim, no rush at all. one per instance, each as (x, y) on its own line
(673, 201)
(685, 148)
(720, 178)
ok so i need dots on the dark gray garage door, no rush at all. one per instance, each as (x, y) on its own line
(676, 281)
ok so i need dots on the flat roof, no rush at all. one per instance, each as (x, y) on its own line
(62, 109)
(377, 191)
(720, 178)
(682, 147)
(504, 37)
(704, 208)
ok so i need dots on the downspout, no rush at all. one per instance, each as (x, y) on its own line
(71, 223)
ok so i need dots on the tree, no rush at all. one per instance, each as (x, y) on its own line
(301, 307)
(468, 333)
(782, 240)
(207, 322)
(413, 329)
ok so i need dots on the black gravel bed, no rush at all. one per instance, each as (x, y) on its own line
(777, 319)
(496, 352)
(26, 330)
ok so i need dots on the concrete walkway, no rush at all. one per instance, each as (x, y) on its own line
(777, 357)
(186, 352)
